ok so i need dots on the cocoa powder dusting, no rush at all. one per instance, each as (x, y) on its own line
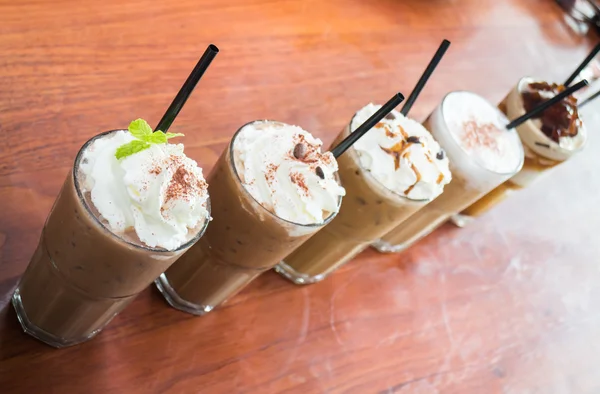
(155, 170)
(271, 171)
(299, 180)
(183, 184)
(483, 135)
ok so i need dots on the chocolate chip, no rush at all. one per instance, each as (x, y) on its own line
(300, 151)
(390, 116)
(357, 172)
(440, 155)
(320, 172)
(542, 144)
(413, 139)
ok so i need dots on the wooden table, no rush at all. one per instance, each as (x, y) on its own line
(508, 305)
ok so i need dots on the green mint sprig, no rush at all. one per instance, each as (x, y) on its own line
(142, 131)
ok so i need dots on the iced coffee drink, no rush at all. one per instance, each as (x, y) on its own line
(482, 154)
(271, 190)
(395, 169)
(117, 224)
(548, 140)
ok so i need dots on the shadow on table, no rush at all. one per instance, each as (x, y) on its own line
(27, 364)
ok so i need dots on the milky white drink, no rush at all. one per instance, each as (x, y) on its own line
(391, 172)
(482, 155)
(271, 190)
(548, 139)
(116, 225)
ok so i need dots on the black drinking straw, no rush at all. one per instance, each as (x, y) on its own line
(368, 125)
(587, 100)
(585, 62)
(426, 74)
(546, 104)
(187, 88)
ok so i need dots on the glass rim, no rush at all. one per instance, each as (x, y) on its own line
(469, 157)
(96, 220)
(231, 163)
(370, 175)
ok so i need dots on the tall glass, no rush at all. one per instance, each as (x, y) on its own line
(541, 155)
(244, 240)
(470, 179)
(82, 274)
(369, 211)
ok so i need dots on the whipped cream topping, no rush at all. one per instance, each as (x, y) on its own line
(402, 155)
(159, 192)
(531, 131)
(479, 128)
(283, 168)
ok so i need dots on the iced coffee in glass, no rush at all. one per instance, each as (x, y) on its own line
(117, 224)
(394, 170)
(482, 153)
(271, 190)
(548, 140)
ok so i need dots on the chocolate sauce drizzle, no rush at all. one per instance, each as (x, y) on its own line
(561, 119)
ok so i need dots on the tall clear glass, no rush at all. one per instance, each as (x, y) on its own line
(244, 240)
(82, 274)
(369, 211)
(470, 181)
(541, 155)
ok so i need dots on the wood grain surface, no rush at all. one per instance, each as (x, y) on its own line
(508, 305)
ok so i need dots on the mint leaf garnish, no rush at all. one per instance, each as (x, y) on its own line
(173, 135)
(130, 148)
(142, 131)
(158, 137)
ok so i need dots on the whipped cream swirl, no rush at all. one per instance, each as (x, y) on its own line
(159, 192)
(402, 155)
(283, 168)
(479, 128)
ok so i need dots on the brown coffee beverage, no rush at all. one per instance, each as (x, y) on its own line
(389, 174)
(84, 271)
(482, 154)
(256, 213)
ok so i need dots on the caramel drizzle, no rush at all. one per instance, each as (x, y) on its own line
(399, 150)
(404, 133)
(396, 151)
(418, 174)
